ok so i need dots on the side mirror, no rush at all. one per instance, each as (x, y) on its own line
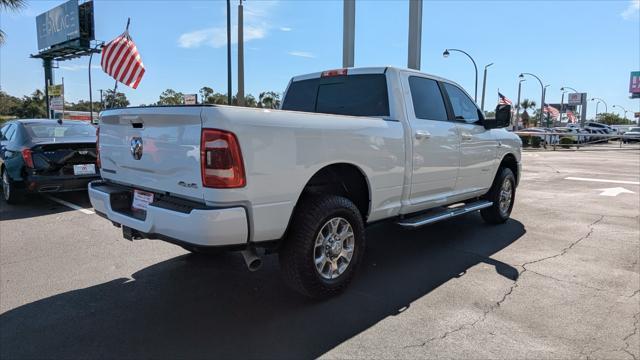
(502, 119)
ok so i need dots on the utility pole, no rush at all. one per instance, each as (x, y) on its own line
(348, 32)
(48, 80)
(515, 125)
(229, 96)
(415, 34)
(484, 86)
(240, 55)
(101, 101)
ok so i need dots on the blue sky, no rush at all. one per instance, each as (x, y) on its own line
(588, 45)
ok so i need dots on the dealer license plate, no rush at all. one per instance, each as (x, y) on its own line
(141, 200)
(84, 169)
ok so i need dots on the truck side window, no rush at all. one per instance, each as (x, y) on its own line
(427, 99)
(463, 107)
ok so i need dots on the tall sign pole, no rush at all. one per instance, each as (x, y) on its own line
(517, 122)
(348, 32)
(240, 56)
(229, 96)
(415, 34)
(48, 80)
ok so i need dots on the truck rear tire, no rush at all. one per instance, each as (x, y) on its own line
(502, 194)
(323, 247)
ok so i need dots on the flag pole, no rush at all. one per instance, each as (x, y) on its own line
(115, 87)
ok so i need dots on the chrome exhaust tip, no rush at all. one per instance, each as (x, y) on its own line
(251, 259)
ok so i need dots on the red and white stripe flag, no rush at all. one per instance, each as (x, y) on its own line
(121, 60)
(551, 111)
(571, 117)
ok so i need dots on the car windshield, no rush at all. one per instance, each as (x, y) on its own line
(56, 130)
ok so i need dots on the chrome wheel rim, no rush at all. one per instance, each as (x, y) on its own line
(334, 247)
(5, 185)
(506, 196)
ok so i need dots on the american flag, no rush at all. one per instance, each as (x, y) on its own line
(121, 60)
(571, 117)
(551, 111)
(503, 100)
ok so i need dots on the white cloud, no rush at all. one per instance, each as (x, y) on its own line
(304, 54)
(256, 26)
(632, 10)
(77, 67)
(284, 28)
(217, 36)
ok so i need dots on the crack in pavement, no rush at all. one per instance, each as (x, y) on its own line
(511, 289)
(626, 338)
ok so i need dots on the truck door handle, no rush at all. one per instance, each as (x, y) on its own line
(422, 134)
(466, 137)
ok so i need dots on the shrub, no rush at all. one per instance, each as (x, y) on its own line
(566, 142)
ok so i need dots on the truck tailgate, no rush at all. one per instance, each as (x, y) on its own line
(168, 159)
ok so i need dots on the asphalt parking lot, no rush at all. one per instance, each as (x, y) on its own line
(561, 279)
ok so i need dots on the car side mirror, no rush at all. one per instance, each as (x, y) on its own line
(502, 119)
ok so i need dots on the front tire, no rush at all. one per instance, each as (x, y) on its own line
(502, 194)
(324, 246)
(9, 192)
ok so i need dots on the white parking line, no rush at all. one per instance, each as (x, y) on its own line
(604, 180)
(71, 205)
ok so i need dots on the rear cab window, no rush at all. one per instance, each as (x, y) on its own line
(64, 130)
(355, 95)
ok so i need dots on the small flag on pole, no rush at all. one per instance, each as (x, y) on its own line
(121, 60)
(571, 117)
(503, 100)
(553, 112)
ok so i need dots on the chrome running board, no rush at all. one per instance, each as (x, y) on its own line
(447, 213)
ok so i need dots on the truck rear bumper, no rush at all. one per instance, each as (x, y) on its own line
(198, 227)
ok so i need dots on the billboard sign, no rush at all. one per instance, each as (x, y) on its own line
(634, 82)
(60, 24)
(55, 90)
(56, 103)
(576, 98)
(190, 99)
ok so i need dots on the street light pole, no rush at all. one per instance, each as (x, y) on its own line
(623, 109)
(229, 96)
(544, 97)
(541, 90)
(515, 125)
(484, 86)
(446, 54)
(606, 108)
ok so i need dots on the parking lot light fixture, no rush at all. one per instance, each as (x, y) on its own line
(484, 86)
(541, 90)
(623, 109)
(446, 54)
(606, 108)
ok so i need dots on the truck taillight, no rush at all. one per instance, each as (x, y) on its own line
(98, 148)
(221, 160)
(336, 72)
(28, 159)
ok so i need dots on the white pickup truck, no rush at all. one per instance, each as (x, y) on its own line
(350, 147)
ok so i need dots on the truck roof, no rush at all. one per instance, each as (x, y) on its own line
(371, 70)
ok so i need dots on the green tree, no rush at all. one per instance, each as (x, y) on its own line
(613, 119)
(113, 99)
(83, 105)
(13, 5)
(525, 105)
(250, 101)
(9, 105)
(269, 100)
(205, 95)
(171, 97)
(33, 106)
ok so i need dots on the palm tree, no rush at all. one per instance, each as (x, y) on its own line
(13, 5)
(525, 105)
(269, 100)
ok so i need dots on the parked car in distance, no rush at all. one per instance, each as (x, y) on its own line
(632, 135)
(598, 126)
(46, 155)
(351, 147)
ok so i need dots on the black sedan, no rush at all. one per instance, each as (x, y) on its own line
(46, 155)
